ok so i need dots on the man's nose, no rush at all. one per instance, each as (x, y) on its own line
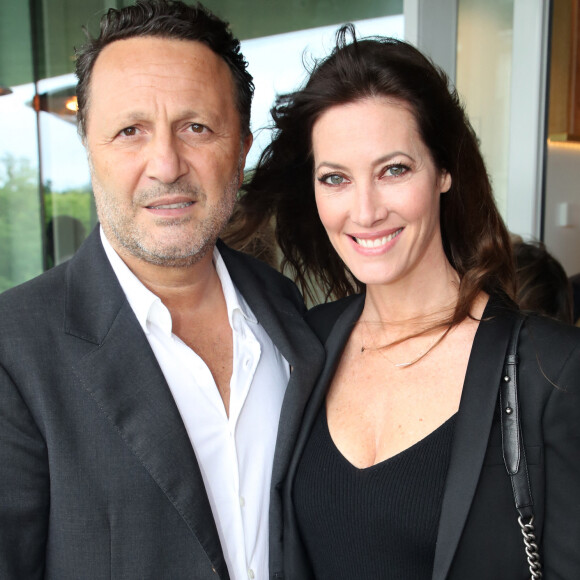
(165, 162)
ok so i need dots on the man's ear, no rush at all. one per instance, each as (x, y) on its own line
(248, 140)
(246, 145)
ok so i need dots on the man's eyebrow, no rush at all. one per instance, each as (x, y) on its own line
(137, 115)
(131, 116)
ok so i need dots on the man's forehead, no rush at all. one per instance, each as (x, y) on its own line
(153, 51)
(145, 68)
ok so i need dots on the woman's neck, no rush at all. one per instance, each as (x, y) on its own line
(415, 302)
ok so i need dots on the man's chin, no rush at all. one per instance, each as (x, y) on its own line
(172, 257)
(173, 261)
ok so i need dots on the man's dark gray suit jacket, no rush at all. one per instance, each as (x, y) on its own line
(98, 478)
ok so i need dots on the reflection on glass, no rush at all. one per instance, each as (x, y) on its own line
(69, 208)
(484, 67)
(20, 221)
(276, 63)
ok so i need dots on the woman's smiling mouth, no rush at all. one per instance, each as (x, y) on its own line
(376, 242)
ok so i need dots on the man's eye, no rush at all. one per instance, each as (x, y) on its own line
(332, 179)
(128, 132)
(197, 128)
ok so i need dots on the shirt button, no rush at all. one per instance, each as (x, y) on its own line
(242, 501)
(251, 574)
(247, 363)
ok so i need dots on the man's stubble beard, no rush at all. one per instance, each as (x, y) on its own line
(122, 230)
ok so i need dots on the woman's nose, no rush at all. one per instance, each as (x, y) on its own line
(369, 206)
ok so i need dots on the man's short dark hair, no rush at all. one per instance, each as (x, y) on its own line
(169, 19)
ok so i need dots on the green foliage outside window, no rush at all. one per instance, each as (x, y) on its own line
(20, 221)
(20, 235)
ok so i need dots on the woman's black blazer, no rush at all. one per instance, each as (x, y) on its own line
(479, 537)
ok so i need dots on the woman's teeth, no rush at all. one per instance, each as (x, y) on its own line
(377, 242)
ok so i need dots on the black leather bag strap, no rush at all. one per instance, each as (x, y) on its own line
(514, 453)
(511, 432)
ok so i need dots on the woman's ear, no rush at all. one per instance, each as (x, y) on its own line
(444, 182)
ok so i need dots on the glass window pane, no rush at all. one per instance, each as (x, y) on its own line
(258, 18)
(484, 64)
(69, 206)
(276, 63)
(21, 255)
(277, 35)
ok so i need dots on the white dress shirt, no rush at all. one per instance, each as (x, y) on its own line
(235, 453)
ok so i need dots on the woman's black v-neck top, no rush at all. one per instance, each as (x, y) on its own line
(378, 523)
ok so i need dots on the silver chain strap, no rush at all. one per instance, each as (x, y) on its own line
(514, 452)
(528, 532)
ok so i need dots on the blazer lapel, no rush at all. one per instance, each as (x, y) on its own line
(334, 346)
(474, 420)
(294, 559)
(123, 377)
(295, 341)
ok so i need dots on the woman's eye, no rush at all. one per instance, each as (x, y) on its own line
(332, 179)
(396, 170)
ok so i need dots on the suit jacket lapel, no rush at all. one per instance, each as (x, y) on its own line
(472, 429)
(123, 377)
(295, 341)
(334, 346)
(294, 559)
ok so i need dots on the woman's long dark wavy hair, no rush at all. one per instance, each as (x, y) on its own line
(475, 239)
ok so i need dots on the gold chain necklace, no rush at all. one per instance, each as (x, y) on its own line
(417, 358)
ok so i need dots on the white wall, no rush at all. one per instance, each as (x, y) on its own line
(528, 116)
(484, 80)
(562, 222)
(432, 27)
